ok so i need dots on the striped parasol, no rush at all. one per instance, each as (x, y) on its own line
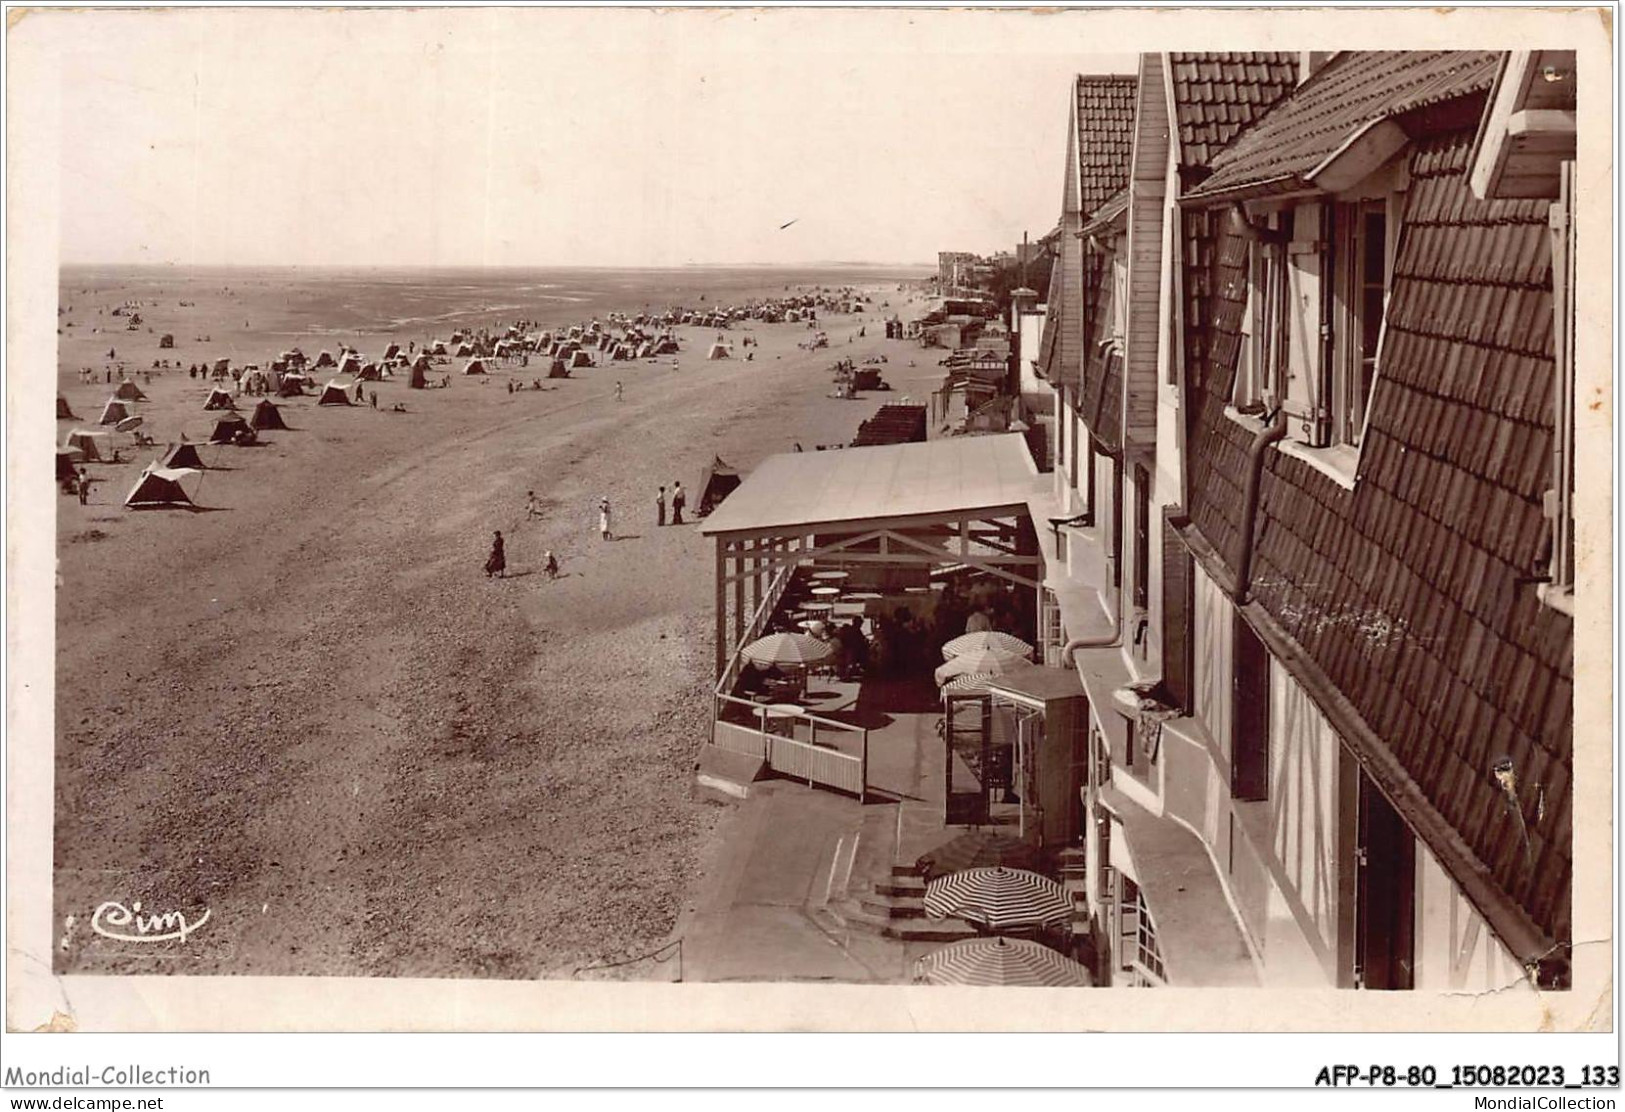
(786, 649)
(976, 849)
(1003, 963)
(998, 898)
(981, 660)
(987, 639)
(968, 683)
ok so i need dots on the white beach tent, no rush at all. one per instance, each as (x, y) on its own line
(160, 486)
(474, 367)
(89, 446)
(334, 394)
(719, 350)
(113, 412)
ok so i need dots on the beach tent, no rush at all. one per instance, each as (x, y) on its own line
(350, 364)
(334, 394)
(439, 348)
(222, 366)
(420, 378)
(88, 445)
(219, 399)
(266, 416)
(63, 413)
(160, 486)
(167, 340)
(668, 346)
(475, 367)
(718, 350)
(392, 351)
(464, 350)
(368, 373)
(716, 483)
(113, 412)
(182, 455)
(65, 469)
(229, 429)
(325, 359)
(128, 391)
(291, 386)
(580, 359)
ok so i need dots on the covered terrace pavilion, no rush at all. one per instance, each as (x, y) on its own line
(851, 534)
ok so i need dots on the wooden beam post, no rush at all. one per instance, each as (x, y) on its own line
(722, 608)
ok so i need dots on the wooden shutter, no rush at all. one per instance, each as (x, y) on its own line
(1304, 393)
(1178, 603)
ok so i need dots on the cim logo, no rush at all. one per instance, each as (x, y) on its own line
(127, 924)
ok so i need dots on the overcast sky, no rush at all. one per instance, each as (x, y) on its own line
(536, 137)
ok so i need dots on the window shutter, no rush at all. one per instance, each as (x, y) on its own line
(1178, 602)
(1304, 393)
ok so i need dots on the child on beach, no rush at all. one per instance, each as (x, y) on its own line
(603, 519)
(532, 510)
(552, 565)
(497, 562)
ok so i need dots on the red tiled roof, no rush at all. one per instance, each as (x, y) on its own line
(1105, 136)
(1353, 89)
(1414, 594)
(1216, 95)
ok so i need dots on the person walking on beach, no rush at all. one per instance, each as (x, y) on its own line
(373, 396)
(84, 487)
(660, 507)
(603, 519)
(551, 564)
(497, 562)
(678, 501)
(532, 510)
(620, 392)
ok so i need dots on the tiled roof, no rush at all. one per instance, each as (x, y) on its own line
(1105, 136)
(1216, 95)
(1414, 594)
(1354, 89)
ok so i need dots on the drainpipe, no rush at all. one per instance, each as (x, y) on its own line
(1273, 431)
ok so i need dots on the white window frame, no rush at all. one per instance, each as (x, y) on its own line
(1559, 591)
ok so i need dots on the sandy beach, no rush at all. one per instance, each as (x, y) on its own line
(308, 711)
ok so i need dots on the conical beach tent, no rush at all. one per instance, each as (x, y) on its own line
(63, 413)
(716, 483)
(334, 394)
(558, 370)
(719, 351)
(113, 412)
(228, 430)
(183, 455)
(291, 386)
(325, 359)
(128, 391)
(266, 416)
(474, 367)
(88, 445)
(219, 399)
(160, 486)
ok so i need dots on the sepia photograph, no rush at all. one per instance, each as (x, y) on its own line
(946, 503)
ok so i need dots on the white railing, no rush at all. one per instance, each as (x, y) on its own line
(818, 750)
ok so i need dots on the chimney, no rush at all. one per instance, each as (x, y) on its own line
(1309, 63)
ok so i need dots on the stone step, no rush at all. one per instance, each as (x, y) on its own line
(905, 870)
(895, 907)
(726, 775)
(908, 930)
(901, 886)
